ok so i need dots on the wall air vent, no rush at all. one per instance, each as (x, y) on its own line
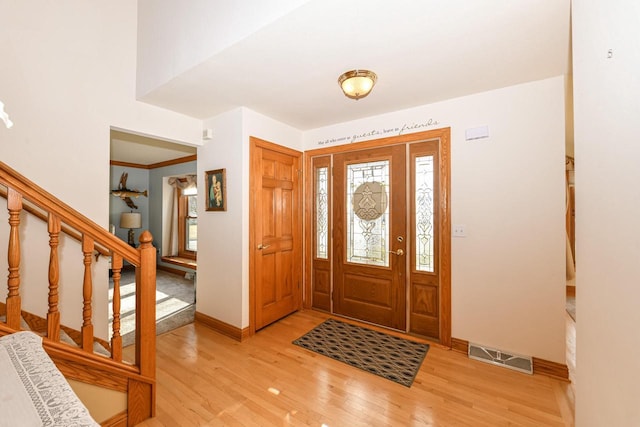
(501, 358)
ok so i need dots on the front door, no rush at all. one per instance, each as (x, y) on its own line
(370, 235)
(276, 240)
(380, 232)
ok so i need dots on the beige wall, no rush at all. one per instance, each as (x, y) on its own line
(102, 403)
(508, 274)
(607, 209)
(65, 81)
(223, 281)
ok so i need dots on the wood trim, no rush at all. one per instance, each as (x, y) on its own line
(307, 230)
(141, 402)
(254, 166)
(189, 263)
(186, 159)
(444, 135)
(104, 378)
(559, 371)
(90, 368)
(461, 346)
(222, 327)
(374, 143)
(172, 270)
(128, 165)
(183, 211)
(118, 420)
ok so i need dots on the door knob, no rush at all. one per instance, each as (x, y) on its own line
(261, 246)
(399, 252)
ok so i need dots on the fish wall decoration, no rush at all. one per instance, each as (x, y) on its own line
(126, 194)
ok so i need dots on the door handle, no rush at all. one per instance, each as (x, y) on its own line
(261, 246)
(399, 252)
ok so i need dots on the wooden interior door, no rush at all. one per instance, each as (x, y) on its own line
(276, 243)
(369, 231)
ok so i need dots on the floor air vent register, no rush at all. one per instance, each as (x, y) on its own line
(501, 358)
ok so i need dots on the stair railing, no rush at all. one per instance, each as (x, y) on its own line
(23, 194)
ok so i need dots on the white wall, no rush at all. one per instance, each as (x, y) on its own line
(223, 279)
(220, 247)
(508, 275)
(173, 38)
(606, 106)
(65, 81)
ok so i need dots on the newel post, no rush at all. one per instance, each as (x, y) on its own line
(146, 307)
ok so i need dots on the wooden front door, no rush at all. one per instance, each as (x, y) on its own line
(369, 189)
(276, 240)
(380, 232)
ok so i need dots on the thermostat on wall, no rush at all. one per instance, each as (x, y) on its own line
(477, 133)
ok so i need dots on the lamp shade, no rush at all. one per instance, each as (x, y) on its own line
(357, 84)
(130, 220)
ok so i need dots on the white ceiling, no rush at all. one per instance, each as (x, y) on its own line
(423, 51)
(130, 148)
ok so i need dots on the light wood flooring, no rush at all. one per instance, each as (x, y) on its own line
(207, 379)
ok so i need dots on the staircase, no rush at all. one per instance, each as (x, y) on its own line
(79, 355)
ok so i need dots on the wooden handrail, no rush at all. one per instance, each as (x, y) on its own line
(66, 230)
(23, 194)
(49, 203)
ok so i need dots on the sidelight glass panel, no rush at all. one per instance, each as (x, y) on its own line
(322, 212)
(368, 213)
(424, 213)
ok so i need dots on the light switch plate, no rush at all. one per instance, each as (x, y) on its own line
(459, 230)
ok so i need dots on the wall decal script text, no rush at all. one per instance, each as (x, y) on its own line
(399, 130)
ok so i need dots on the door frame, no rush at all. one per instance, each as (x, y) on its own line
(254, 144)
(444, 250)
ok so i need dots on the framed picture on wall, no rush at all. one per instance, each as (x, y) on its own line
(216, 186)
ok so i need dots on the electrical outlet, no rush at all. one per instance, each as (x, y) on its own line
(459, 230)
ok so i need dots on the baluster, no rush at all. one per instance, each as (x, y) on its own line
(116, 338)
(53, 315)
(14, 205)
(87, 289)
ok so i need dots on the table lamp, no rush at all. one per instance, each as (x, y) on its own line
(131, 220)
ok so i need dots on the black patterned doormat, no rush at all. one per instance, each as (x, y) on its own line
(390, 357)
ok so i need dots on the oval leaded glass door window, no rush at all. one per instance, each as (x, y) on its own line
(369, 201)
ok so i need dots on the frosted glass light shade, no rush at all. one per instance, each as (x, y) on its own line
(130, 220)
(357, 84)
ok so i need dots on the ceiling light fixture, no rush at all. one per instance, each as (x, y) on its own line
(357, 84)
